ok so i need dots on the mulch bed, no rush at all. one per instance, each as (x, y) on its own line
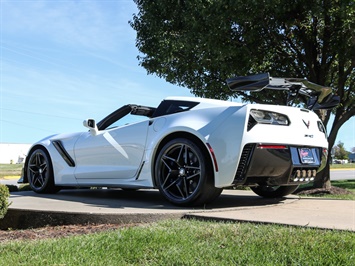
(56, 231)
(323, 191)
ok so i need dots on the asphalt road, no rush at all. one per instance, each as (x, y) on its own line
(342, 174)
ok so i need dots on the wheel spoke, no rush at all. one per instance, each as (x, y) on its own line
(186, 155)
(180, 154)
(34, 178)
(44, 166)
(38, 160)
(170, 185)
(179, 189)
(192, 176)
(165, 163)
(33, 168)
(186, 187)
(39, 179)
(193, 168)
(165, 180)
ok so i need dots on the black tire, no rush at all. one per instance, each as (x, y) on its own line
(274, 191)
(40, 172)
(184, 174)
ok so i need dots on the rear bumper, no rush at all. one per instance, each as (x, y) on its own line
(278, 165)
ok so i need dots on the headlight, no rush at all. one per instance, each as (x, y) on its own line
(267, 117)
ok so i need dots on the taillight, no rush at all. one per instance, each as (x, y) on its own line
(270, 146)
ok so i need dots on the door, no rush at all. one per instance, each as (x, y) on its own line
(112, 154)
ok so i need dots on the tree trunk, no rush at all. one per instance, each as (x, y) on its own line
(322, 179)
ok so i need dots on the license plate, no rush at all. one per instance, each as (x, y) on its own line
(306, 155)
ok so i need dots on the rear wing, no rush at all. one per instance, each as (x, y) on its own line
(320, 97)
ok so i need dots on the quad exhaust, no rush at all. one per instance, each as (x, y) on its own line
(304, 175)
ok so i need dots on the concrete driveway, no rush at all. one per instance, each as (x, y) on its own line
(29, 209)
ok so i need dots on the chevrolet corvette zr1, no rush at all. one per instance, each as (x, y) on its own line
(191, 148)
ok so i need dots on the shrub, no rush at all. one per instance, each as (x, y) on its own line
(4, 203)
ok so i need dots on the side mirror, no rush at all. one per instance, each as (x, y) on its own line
(91, 125)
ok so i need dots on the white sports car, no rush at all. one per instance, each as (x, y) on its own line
(191, 148)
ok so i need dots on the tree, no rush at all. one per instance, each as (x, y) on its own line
(199, 44)
(340, 152)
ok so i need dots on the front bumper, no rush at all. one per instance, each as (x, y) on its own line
(276, 165)
(23, 178)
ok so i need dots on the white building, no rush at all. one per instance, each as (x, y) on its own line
(13, 152)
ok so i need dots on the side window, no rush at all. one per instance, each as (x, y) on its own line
(172, 107)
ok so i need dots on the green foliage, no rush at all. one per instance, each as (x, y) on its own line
(4, 204)
(340, 152)
(188, 242)
(199, 44)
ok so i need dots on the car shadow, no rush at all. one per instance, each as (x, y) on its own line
(144, 199)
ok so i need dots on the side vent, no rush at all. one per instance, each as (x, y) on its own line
(244, 162)
(251, 123)
(65, 155)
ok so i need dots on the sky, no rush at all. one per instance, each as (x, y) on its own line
(63, 61)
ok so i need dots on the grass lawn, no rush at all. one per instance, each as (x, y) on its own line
(342, 166)
(10, 170)
(188, 242)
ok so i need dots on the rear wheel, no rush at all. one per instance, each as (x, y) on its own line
(40, 172)
(184, 174)
(274, 191)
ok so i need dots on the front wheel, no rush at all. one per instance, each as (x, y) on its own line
(273, 191)
(184, 174)
(40, 172)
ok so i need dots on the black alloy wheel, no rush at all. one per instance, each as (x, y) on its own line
(183, 174)
(40, 172)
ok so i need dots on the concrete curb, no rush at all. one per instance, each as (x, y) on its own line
(24, 219)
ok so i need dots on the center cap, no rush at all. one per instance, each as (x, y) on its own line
(40, 171)
(182, 171)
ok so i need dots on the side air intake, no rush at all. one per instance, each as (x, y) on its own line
(243, 163)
